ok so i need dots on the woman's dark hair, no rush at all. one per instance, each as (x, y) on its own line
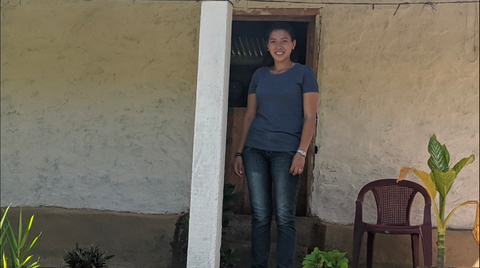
(268, 59)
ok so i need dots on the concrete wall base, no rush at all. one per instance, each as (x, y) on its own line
(159, 241)
(136, 240)
(394, 251)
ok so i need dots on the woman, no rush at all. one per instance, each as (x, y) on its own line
(278, 128)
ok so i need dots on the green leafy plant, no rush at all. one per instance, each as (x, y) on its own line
(3, 238)
(87, 257)
(180, 238)
(19, 248)
(229, 199)
(322, 259)
(227, 259)
(441, 180)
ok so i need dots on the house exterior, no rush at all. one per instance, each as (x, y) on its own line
(98, 102)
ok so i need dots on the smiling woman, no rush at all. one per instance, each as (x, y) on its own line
(248, 53)
(277, 130)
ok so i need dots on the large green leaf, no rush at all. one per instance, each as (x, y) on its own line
(447, 154)
(464, 162)
(439, 155)
(444, 180)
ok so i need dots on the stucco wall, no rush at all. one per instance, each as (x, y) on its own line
(97, 104)
(388, 82)
(98, 101)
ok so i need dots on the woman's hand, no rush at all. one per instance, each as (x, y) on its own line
(238, 166)
(298, 163)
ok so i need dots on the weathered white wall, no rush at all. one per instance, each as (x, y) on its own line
(387, 83)
(98, 101)
(97, 104)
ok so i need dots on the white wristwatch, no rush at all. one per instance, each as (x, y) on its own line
(302, 152)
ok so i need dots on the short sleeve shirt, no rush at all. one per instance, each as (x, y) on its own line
(278, 124)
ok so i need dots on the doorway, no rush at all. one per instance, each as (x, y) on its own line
(247, 50)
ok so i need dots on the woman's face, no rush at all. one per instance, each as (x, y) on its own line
(280, 45)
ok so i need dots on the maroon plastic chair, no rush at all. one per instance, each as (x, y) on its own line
(394, 201)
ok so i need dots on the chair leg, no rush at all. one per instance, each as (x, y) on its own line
(415, 251)
(426, 235)
(357, 244)
(370, 240)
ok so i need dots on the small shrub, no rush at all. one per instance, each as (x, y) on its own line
(86, 257)
(227, 259)
(322, 259)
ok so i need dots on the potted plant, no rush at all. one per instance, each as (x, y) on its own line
(440, 180)
(87, 257)
(322, 259)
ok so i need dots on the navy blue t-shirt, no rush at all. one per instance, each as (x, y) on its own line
(279, 120)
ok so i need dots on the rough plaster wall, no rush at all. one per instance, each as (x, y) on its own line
(97, 104)
(387, 83)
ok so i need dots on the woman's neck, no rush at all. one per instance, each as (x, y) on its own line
(280, 67)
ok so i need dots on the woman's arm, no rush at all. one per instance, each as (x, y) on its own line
(252, 107)
(310, 101)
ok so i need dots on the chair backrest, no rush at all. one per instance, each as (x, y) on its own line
(394, 200)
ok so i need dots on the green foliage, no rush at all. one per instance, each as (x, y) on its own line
(439, 156)
(439, 160)
(3, 238)
(19, 248)
(442, 176)
(441, 179)
(227, 259)
(229, 199)
(322, 259)
(86, 257)
(185, 220)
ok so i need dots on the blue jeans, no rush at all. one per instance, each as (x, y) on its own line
(263, 170)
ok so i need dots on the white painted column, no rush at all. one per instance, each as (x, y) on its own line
(205, 229)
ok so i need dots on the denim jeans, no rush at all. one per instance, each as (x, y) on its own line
(266, 170)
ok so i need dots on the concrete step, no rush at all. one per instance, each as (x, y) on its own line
(309, 235)
(242, 252)
(309, 231)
